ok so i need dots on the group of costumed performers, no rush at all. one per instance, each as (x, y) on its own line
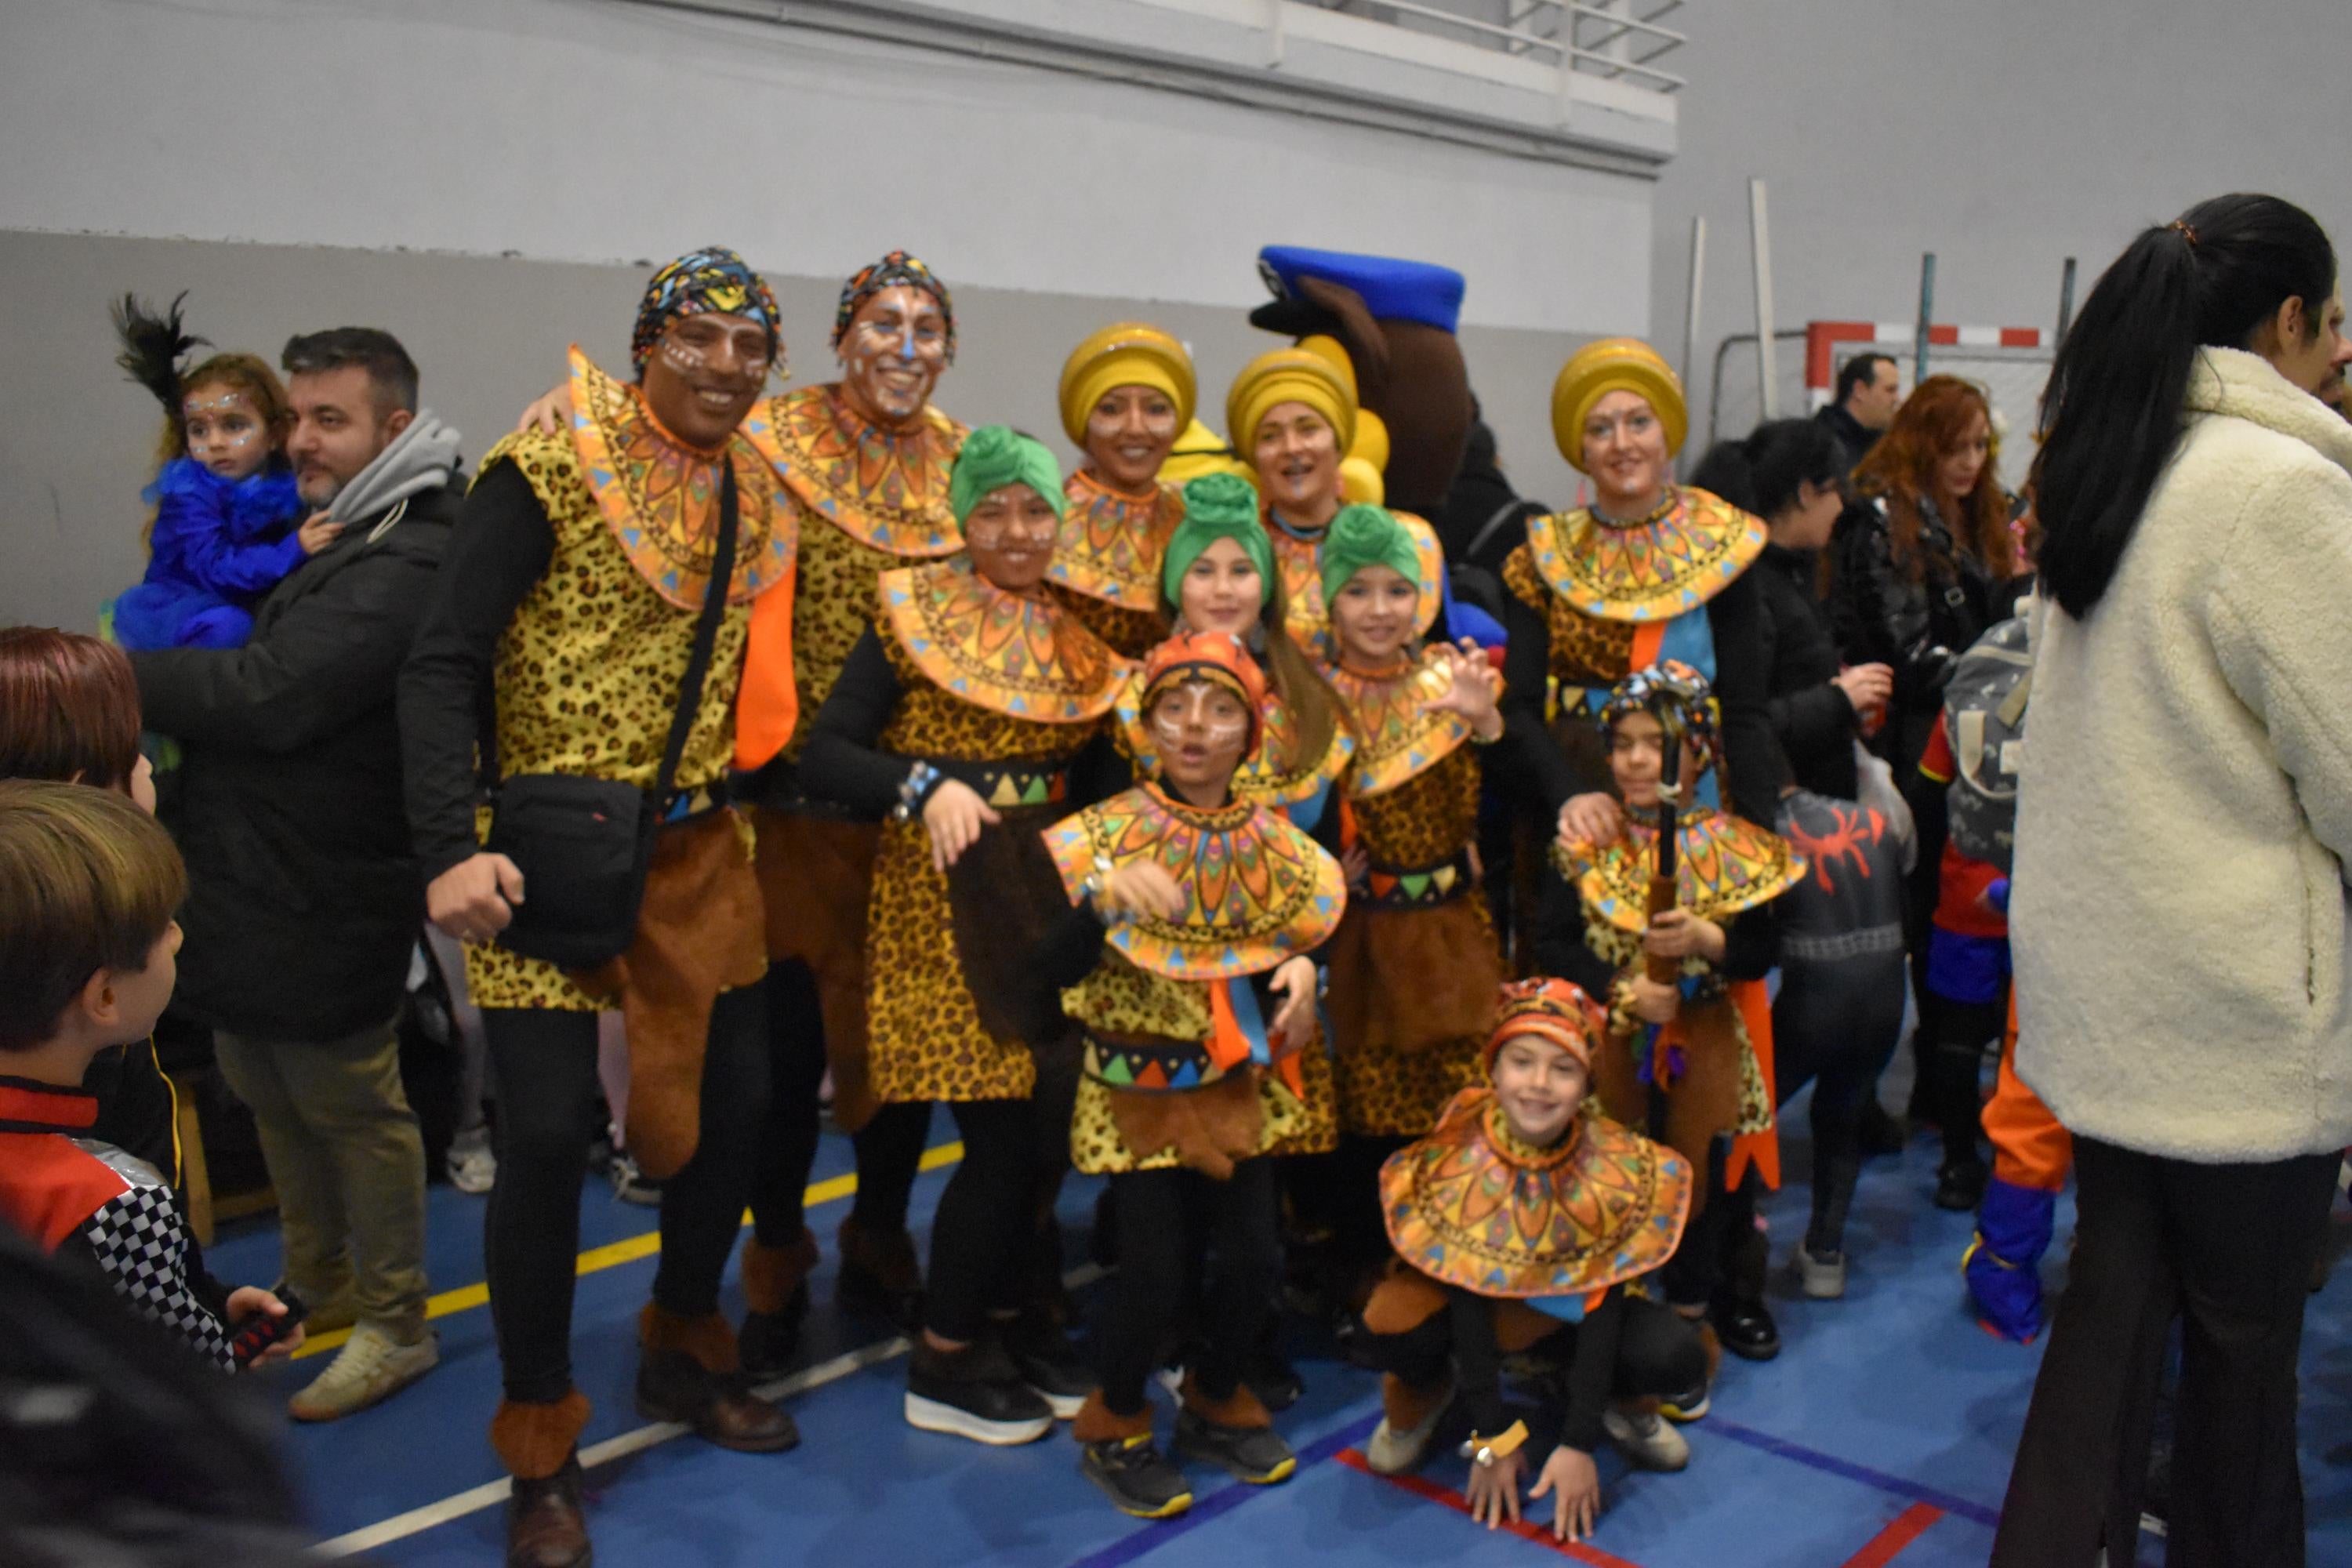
(1135, 821)
(1519, 1225)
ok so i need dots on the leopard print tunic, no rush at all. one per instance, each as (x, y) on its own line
(924, 1032)
(1585, 649)
(1429, 817)
(585, 675)
(833, 605)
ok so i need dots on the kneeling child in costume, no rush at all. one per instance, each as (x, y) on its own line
(1520, 1220)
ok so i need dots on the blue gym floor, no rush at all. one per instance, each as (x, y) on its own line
(1881, 1435)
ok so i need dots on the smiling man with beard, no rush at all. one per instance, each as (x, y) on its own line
(573, 613)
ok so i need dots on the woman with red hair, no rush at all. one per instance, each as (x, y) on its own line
(1915, 564)
(69, 714)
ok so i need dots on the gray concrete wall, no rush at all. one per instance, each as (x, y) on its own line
(488, 333)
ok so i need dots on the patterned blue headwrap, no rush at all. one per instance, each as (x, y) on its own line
(712, 279)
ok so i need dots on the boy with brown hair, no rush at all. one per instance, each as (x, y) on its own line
(89, 884)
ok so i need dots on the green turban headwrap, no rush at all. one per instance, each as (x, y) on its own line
(1363, 536)
(995, 456)
(1217, 506)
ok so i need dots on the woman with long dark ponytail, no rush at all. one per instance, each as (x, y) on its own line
(2178, 916)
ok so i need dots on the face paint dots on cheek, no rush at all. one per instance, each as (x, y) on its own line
(684, 358)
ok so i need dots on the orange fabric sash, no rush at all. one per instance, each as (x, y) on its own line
(1229, 1048)
(1761, 1149)
(767, 704)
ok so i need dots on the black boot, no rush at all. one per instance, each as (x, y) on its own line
(545, 1528)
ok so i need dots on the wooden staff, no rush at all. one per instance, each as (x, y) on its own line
(1663, 891)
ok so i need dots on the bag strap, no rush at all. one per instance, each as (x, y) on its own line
(705, 633)
(1494, 525)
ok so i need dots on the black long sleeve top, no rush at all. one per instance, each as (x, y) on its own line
(1812, 717)
(1572, 1421)
(502, 547)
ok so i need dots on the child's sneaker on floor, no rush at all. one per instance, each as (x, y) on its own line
(1256, 1455)
(1691, 1406)
(1821, 1275)
(372, 1367)
(472, 1167)
(1400, 1441)
(1136, 1478)
(1646, 1438)
(975, 1393)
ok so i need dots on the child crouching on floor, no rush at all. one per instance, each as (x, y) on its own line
(1519, 1221)
(87, 886)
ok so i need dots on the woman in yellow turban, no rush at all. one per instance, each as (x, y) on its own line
(1648, 570)
(1126, 394)
(1292, 416)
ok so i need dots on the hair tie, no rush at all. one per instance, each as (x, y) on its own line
(2185, 232)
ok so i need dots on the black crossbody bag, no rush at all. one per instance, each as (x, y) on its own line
(584, 845)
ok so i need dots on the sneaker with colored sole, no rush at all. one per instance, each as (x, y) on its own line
(1691, 1406)
(1136, 1478)
(974, 1393)
(1256, 1455)
(372, 1367)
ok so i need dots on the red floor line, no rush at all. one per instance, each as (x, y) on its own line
(1592, 1556)
(1888, 1543)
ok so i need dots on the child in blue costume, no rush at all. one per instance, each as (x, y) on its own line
(228, 516)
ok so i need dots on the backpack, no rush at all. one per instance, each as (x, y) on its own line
(1984, 717)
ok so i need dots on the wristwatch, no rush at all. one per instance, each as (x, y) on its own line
(1485, 1451)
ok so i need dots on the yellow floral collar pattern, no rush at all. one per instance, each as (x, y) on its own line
(1397, 737)
(661, 498)
(1257, 890)
(1722, 865)
(1111, 543)
(1673, 561)
(1017, 654)
(1606, 1207)
(885, 489)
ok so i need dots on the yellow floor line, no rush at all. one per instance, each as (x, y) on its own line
(465, 1298)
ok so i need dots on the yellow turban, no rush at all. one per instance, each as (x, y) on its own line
(1127, 354)
(1614, 364)
(1287, 376)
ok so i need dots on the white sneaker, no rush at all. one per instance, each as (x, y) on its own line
(372, 1367)
(1648, 1439)
(1821, 1276)
(472, 1167)
(1390, 1451)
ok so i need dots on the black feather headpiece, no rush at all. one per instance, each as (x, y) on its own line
(153, 347)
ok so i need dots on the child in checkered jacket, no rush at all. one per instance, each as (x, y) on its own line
(87, 887)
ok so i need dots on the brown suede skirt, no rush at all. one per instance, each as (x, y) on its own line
(698, 933)
(816, 876)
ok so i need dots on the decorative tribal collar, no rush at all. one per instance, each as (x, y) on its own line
(1472, 1207)
(1397, 737)
(1296, 557)
(885, 489)
(1014, 653)
(1257, 890)
(1722, 865)
(1272, 776)
(660, 497)
(1676, 559)
(1111, 542)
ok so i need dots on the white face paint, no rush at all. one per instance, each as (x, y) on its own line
(1202, 727)
(684, 358)
(226, 432)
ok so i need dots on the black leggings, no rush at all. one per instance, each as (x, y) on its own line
(1166, 1220)
(985, 1224)
(1835, 1022)
(1717, 1258)
(889, 1148)
(544, 1064)
(1957, 1034)
(1658, 1352)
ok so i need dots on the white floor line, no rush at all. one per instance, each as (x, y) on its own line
(490, 1494)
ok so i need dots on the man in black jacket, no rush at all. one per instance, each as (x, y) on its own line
(305, 901)
(1869, 390)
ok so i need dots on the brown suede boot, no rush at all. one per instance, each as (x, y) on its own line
(537, 1443)
(879, 1275)
(775, 1290)
(688, 1373)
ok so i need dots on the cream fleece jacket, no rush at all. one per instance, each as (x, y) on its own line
(2185, 805)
